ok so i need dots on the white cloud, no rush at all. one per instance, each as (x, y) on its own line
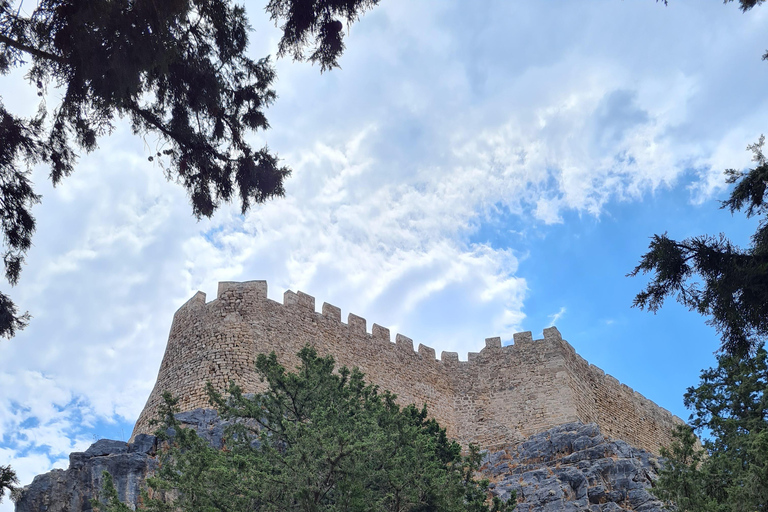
(556, 316)
(441, 118)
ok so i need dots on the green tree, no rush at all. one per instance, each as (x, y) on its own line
(8, 481)
(177, 70)
(729, 284)
(711, 275)
(317, 439)
(730, 474)
(715, 277)
(680, 483)
(108, 500)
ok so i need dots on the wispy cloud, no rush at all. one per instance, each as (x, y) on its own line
(440, 119)
(553, 318)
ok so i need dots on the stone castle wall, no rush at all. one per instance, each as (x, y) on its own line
(497, 397)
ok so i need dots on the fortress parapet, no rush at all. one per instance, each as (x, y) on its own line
(499, 396)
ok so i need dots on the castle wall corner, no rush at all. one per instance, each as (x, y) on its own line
(497, 397)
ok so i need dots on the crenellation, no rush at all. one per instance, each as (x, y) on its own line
(194, 303)
(331, 312)
(197, 299)
(256, 288)
(499, 395)
(551, 333)
(306, 301)
(356, 324)
(522, 337)
(404, 343)
(426, 352)
(224, 286)
(449, 357)
(380, 333)
(290, 298)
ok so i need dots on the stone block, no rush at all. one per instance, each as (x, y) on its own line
(427, 352)
(522, 337)
(551, 333)
(290, 298)
(306, 301)
(404, 342)
(449, 357)
(331, 312)
(380, 333)
(356, 324)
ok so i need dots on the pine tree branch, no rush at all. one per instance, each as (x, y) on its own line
(157, 123)
(30, 50)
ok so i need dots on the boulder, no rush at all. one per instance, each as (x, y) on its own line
(572, 467)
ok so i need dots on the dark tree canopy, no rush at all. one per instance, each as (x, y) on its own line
(319, 439)
(730, 406)
(713, 276)
(177, 69)
(316, 24)
(744, 5)
(8, 481)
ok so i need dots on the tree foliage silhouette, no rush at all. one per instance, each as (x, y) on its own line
(713, 276)
(177, 70)
(8, 481)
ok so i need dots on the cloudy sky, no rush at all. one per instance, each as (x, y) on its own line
(473, 170)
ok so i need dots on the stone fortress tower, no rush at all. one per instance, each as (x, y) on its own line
(497, 397)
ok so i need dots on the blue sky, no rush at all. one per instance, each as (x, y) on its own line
(471, 171)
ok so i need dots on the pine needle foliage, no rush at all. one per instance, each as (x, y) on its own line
(319, 439)
(8, 481)
(178, 70)
(714, 277)
(730, 473)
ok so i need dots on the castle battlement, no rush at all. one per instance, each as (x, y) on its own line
(498, 396)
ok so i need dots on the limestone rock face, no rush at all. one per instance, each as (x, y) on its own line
(71, 490)
(572, 468)
(569, 468)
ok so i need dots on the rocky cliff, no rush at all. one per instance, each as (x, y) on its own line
(573, 467)
(569, 468)
(71, 490)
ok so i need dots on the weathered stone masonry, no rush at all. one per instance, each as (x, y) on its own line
(497, 397)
